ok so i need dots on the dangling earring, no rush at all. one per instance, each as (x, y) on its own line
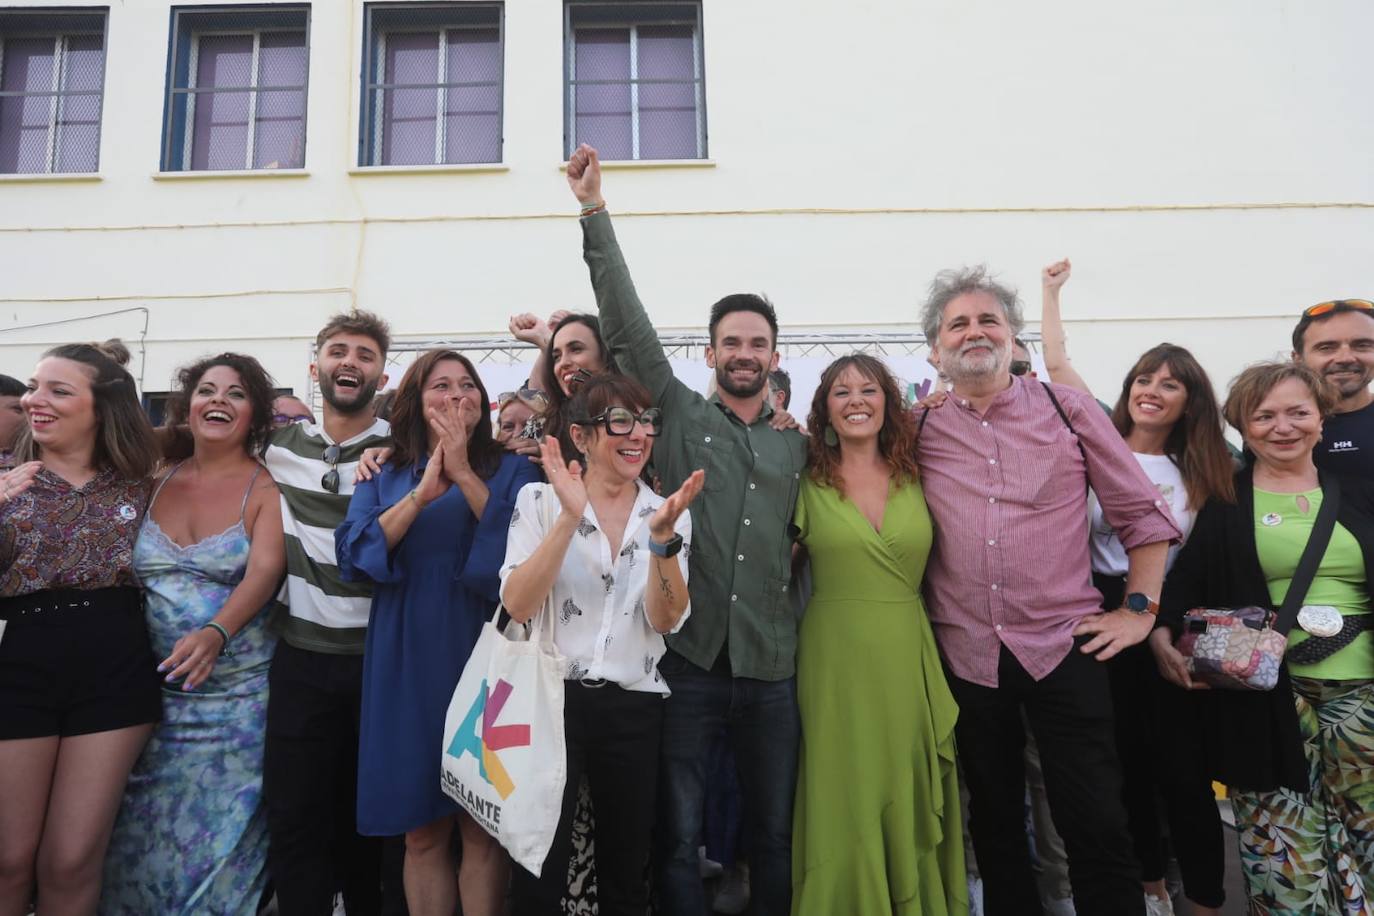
(830, 438)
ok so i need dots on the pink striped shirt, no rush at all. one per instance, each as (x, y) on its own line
(1008, 492)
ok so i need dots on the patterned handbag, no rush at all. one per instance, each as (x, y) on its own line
(1239, 649)
(1242, 649)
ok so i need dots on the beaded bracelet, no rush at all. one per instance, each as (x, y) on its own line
(224, 634)
(593, 209)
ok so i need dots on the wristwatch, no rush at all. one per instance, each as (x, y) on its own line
(1141, 603)
(669, 549)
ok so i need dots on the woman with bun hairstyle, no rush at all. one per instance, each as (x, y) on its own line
(78, 679)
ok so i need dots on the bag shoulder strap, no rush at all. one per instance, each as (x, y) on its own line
(542, 623)
(1059, 409)
(1311, 554)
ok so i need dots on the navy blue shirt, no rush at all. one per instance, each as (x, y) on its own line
(1347, 446)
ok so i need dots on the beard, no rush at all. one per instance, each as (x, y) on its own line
(365, 392)
(741, 389)
(1359, 381)
(972, 362)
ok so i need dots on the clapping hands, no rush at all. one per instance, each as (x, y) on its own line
(564, 477)
(664, 521)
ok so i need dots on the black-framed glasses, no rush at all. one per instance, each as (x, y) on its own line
(286, 419)
(620, 421)
(1020, 366)
(330, 480)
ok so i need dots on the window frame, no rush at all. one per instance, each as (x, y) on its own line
(632, 22)
(179, 160)
(57, 95)
(371, 136)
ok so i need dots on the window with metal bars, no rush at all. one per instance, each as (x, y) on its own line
(432, 91)
(635, 87)
(236, 90)
(52, 84)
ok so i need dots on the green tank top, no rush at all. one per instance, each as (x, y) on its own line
(1281, 532)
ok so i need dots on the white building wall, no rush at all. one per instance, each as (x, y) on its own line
(1206, 165)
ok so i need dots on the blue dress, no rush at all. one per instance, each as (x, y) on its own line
(433, 592)
(191, 836)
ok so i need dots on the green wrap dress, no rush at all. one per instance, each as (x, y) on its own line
(877, 826)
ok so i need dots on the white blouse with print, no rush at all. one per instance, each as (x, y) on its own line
(600, 621)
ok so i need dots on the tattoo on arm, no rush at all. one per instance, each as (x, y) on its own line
(664, 585)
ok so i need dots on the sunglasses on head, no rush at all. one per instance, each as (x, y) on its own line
(1020, 366)
(620, 421)
(330, 480)
(1344, 305)
(532, 396)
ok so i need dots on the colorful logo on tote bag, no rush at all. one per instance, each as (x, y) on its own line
(494, 737)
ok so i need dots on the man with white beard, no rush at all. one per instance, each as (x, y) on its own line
(1006, 462)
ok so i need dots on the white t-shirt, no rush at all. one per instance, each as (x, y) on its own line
(1108, 556)
(600, 621)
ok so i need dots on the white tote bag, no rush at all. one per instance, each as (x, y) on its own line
(504, 756)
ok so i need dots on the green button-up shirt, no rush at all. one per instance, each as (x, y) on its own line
(741, 548)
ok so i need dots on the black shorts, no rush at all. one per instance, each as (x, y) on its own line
(74, 662)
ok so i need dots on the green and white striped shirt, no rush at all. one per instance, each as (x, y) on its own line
(327, 614)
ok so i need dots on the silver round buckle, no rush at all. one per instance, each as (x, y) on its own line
(1320, 620)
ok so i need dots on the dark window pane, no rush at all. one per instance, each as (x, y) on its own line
(78, 118)
(666, 52)
(84, 66)
(220, 132)
(281, 59)
(602, 54)
(472, 124)
(472, 114)
(411, 57)
(279, 126)
(603, 120)
(409, 116)
(474, 55)
(28, 67)
(279, 129)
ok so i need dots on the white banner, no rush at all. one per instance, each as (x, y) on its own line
(917, 376)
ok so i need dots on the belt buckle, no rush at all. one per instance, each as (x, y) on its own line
(1320, 620)
(593, 682)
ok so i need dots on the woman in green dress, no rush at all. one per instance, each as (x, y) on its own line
(877, 822)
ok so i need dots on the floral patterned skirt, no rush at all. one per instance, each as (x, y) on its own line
(580, 897)
(1312, 853)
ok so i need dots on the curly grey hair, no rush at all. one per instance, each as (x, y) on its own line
(955, 282)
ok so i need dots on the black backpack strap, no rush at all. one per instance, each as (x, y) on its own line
(921, 423)
(1059, 409)
(1311, 554)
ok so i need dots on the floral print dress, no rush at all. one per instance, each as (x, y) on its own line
(191, 836)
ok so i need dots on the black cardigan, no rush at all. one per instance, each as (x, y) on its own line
(1249, 739)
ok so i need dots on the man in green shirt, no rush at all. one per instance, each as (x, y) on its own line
(734, 661)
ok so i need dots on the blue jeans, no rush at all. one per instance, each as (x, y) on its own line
(765, 731)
